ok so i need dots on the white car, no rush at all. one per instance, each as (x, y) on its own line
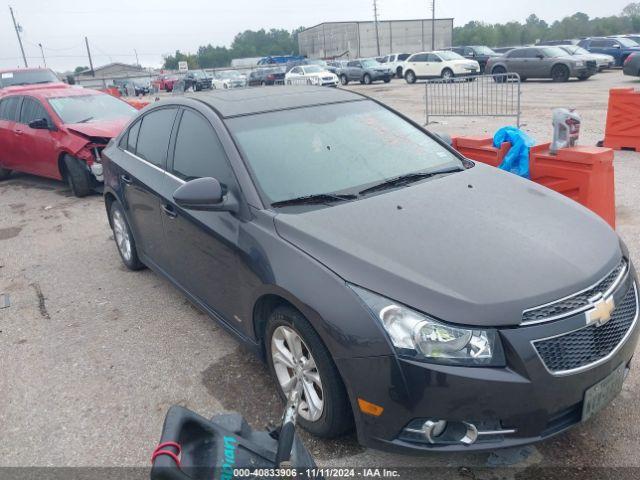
(231, 78)
(217, 82)
(439, 64)
(310, 75)
(395, 61)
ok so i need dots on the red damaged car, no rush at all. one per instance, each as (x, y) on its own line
(58, 132)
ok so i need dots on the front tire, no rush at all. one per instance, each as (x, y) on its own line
(77, 176)
(295, 353)
(560, 73)
(124, 238)
(366, 79)
(447, 74)
(502, 72)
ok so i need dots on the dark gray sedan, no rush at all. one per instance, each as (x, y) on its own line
(632, 65)
(542, 62)
(435, 303)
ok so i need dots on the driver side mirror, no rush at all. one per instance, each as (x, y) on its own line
(205, 194)
(39, 124)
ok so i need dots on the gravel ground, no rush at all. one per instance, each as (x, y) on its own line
(92, 355)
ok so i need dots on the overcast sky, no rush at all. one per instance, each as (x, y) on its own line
(155, 27)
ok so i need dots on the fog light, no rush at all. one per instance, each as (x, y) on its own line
(442, 432)
(432, 429)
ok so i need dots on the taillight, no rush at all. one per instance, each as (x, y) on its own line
(271, 76)
(628, 59)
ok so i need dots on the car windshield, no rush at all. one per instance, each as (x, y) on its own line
(483, 50)
(627, 42)
(198, 74)
(90, 108)
(449, 56)
(322, 63)
(554, 52)
(27, 77)
(312, 69)
(333, 148)
(228, 74)
(370, 63)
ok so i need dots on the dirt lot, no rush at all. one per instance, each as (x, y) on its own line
(92, 355)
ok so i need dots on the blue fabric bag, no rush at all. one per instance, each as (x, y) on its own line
(517, 158)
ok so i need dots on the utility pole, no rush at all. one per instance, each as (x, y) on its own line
(375, 19)
(44, 60)
(137, 61)
(433, 24)
(18, 29)
(86, 41)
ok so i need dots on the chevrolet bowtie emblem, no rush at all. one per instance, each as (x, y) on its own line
(601, 311)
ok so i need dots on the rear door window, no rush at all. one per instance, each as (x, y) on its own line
(9, 108)
(198, 152)
(153, 138)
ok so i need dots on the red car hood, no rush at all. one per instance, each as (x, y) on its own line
(102, 128)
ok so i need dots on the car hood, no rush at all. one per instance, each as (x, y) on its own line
(473, 248)
(102, 128)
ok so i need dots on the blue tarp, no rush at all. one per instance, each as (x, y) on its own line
(517, 158)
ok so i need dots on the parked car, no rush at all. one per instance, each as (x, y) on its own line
(27, 76)
(166, 82)
(542, 62)
(618, 48)
(395, 61)
(634, 36)
(343, 257)
(312, 75)
(632, 65)
(602, 61)
(132, 88)
(197, 80)
(557, 43)
(59, 132)
(367, 71)
(234, 78)
(479, 53)
(440, 64)
(266, 76)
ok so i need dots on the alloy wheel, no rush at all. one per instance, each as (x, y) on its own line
(293, 363)
(121, 233)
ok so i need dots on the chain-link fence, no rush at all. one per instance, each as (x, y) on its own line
(474, 96)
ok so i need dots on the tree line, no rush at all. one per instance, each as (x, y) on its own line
(534, 29)
(245, 44)
(283, 42)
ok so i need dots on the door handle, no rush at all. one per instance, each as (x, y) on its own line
(169, 211)
(126, 179)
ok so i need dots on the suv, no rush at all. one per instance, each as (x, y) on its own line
(541, 62)
(619, 48)
(27, 76)
(395, 61)
(365, 71)
(197, 80)
(479, 53)
(440, 64)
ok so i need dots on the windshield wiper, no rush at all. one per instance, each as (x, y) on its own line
(317, 198)
(403, 180)
(85, 120)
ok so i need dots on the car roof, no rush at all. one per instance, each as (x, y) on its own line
(50, 90)
(247, 101)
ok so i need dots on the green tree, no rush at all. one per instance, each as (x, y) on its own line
(631, 10)
(80, 69)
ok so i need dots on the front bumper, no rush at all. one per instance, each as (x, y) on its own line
(524, 398)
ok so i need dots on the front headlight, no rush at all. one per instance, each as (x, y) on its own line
(420, 337)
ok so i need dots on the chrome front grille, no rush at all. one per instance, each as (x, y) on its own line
(588, 346)
(576, 302)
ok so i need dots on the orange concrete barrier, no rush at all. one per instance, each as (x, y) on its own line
(584, 174)
(481, 149)
(622, 130)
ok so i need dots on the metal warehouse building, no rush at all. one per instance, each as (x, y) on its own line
(358, 39)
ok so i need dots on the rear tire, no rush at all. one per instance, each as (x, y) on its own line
(560, 73)
(410, 77)
(124, 237)
(344, 80)
(336, 417)
(77, 176)
(4, 173)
